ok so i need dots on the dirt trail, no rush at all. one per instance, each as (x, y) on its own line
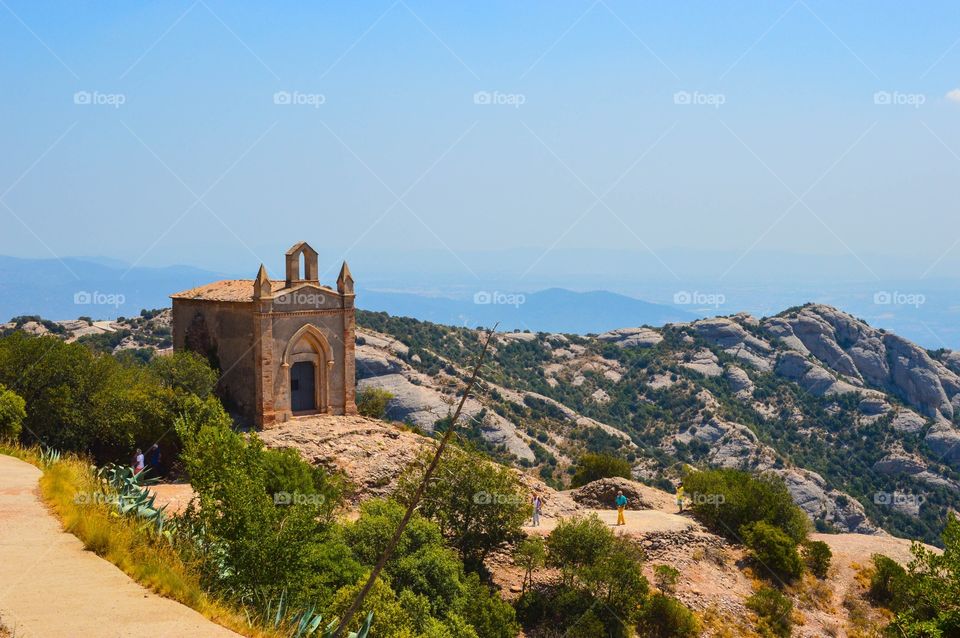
(638, 522)
(51, 587)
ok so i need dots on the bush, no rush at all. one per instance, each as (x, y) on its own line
(925, 596)
(185, 371)
(598, 567)
(888, 582)
(372, 402)
(249, 546)
(12, 413)
(817, 556)
(592, 467)
(289, 477)
(530, 554)
(773, 550)
(578, 543)
(478, 504)
(666, 578)
(664, 617)
(774, 612)
(94, 403)
(726, 500)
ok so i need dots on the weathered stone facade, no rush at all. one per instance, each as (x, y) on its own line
(285, 348)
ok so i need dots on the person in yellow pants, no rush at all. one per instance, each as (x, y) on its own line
(680, 498)
(621, 505)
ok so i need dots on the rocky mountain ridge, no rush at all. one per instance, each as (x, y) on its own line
(760, 394)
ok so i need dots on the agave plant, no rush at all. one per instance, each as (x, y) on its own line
(305, 622)
(134, 499)
(49, 456)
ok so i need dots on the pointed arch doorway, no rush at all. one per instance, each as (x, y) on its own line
(307, 360)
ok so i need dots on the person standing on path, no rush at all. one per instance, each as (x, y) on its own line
(621, 504)
(680, 498)
(155, 459)
(138, 462)
(537, 507)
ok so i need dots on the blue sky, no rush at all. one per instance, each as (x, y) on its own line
(662, 141)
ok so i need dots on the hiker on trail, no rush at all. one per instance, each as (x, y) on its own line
(138, 462)
(680, 498)
(537, 508)
(621, 504)
(155, 459)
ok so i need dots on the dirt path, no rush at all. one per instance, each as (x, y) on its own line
(638, 522)
(51, 587)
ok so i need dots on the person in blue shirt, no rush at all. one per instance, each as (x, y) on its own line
(621, 504)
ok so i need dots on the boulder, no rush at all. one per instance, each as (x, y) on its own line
(632, 337)
(908, 421)
(704, 362)
(739, 381)
(602, 494)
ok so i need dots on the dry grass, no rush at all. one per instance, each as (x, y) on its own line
(812, 593)
(147, 558)
(29, 454)
(720, 624)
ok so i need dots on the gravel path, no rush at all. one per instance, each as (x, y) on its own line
(51, 587)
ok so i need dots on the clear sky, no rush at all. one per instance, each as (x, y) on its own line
(217, 133)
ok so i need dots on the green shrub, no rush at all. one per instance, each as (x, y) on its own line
(289, 478)
(664, 617)
(816, 557)
(726, 500)
(578, 543)
(478, 504)
(372, 402)
(925, 596)
(530, 554)
(666, 577)
(888, 582)
(773, 550)
(597, 567)
(185, 371)
(95, 404)
(12, 414)
(592, 467)
(774, 612)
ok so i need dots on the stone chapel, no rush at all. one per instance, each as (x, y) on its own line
(285, 348)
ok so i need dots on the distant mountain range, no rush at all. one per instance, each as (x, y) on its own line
(924, 311)
(106, 289)
(551, 310)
